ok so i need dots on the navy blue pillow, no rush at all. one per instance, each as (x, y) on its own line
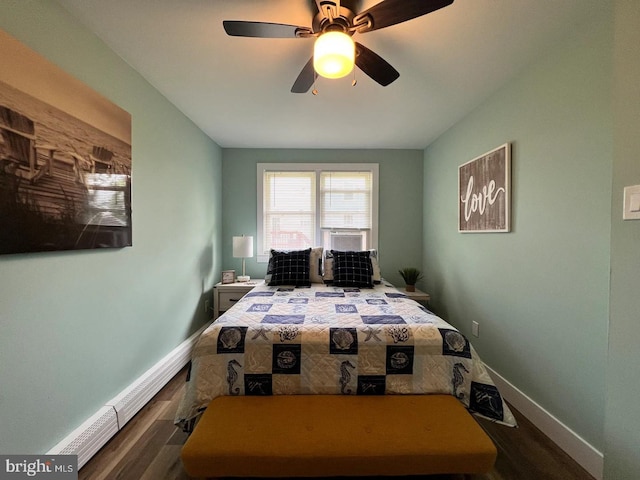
(352, 269)
(290, 267)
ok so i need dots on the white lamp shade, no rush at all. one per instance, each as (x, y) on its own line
(242, 247)
(334, 54)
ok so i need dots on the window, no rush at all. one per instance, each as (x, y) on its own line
(308, 205)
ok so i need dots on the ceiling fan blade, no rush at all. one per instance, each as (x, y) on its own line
(306, 78)
(392, 12)
(375, 66)
(239, 28)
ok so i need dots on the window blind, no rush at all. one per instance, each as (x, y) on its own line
(345, 200)
(289, 210)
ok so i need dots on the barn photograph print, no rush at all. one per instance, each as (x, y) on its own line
(484, 192)
(65, 159)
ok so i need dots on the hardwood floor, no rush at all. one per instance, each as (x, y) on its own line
(148, 448)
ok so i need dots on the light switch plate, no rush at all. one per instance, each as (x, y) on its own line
(631, 203)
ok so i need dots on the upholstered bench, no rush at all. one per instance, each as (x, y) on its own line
(336, 435)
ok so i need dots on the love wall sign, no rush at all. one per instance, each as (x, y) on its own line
(484, 192)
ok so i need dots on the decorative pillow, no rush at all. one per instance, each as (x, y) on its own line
(315, 270)
(377, 275)
(327, 275)
(267, 277)
(352, 269)
(328, 266)
(290, 267)
(315, 265)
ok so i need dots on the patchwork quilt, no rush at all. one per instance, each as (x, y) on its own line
(325, 340)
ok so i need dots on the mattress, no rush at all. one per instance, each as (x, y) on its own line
(325, 340)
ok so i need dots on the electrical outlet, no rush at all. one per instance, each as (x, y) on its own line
(475, 329)
(206, 306)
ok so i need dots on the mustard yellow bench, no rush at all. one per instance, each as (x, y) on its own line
(336, 435)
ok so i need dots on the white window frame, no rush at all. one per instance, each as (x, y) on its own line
(318, 168)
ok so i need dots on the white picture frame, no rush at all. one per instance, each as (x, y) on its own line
(484, 192)
(228, 276)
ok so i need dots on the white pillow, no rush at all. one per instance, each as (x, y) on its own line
(315, 264)
(377, 274)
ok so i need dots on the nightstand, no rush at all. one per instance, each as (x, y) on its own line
(418, 295)
(225, 295)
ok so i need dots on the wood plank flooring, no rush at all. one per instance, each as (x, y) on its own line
(148, 448)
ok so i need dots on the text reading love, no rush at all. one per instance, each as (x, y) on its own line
(477, 202)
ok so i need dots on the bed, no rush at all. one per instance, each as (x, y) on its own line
(359, 336)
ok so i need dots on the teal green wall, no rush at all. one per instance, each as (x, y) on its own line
(400, 216)
(78, 327)
(539, 293)
(622, 425)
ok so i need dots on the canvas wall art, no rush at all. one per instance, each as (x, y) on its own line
(65, 159)
(484, 192)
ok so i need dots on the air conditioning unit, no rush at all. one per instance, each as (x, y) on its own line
(347, 241)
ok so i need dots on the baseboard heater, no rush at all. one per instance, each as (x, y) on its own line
(96, 431)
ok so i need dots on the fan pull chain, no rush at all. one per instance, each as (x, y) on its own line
(315, 90)
(354, 82)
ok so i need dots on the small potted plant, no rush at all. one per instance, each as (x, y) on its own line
(411, 276)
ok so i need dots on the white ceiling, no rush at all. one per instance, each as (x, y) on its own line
(237, 90)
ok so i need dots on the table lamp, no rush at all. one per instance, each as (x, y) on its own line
(243, 248)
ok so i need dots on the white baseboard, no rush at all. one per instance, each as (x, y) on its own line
(96, 431)
(88, 438)
(128, 402)
(576, 447)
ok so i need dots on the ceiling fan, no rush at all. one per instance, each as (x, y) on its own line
(335, 20)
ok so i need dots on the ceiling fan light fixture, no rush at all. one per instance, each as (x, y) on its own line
(334, 54)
